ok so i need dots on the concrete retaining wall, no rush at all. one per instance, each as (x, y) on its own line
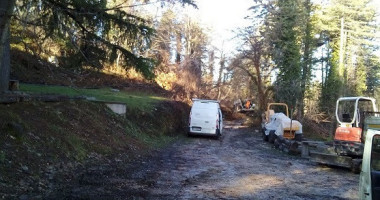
(118, 108)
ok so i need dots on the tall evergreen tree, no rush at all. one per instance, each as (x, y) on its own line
(373, 75)
(308, 45)
(350, 28)
(287, 52)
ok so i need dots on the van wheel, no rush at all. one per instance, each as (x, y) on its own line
(217, 134)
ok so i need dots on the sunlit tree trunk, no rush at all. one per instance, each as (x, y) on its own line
(219, 84)
(257, 47)
(6, 8)
(178, 47)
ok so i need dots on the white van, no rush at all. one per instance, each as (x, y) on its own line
(205, 118)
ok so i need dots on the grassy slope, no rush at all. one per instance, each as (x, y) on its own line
(134, 100)
(37, 139)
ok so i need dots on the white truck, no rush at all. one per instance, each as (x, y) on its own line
(369, 184)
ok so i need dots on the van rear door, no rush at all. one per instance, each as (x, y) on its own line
(369, 185)
(203, 118)
(220, 121)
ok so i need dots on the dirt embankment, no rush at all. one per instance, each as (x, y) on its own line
(41, 143)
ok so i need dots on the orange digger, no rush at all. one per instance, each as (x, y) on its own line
(355, 115)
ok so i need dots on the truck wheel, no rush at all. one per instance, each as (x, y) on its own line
(265, 137)
(272, 136)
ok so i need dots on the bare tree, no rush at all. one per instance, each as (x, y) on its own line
(222, 63)
(254, 61)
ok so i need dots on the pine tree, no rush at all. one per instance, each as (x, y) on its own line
(287, 53)
(350, 30)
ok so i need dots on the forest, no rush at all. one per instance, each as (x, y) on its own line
(301, 52)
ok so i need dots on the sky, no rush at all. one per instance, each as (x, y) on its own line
(223, 17)
(226, 16)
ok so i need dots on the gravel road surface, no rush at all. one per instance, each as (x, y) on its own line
(239, 165)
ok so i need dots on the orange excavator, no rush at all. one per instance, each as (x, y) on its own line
(353, 115)
(350, 113)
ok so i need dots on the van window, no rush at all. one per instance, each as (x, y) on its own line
(375, 153)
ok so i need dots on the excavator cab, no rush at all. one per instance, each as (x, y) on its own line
(359, 122)
(350, 113)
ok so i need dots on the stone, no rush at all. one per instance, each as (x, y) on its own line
(25, 168)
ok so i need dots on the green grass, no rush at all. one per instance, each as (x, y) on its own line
(137, 100)
(152, 140)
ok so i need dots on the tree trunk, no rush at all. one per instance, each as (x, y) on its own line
(259, 82)
(6, 9)
(255, 56)
(219, 84)
(306, 69)
(178, 48)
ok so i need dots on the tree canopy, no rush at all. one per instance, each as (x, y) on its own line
(86, 32)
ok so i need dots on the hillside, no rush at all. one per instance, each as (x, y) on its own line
(40, 142)
(28, 68)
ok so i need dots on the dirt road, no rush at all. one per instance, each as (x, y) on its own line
(237, 166)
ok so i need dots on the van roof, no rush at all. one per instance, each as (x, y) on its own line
(205, 105)
(206, 100)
